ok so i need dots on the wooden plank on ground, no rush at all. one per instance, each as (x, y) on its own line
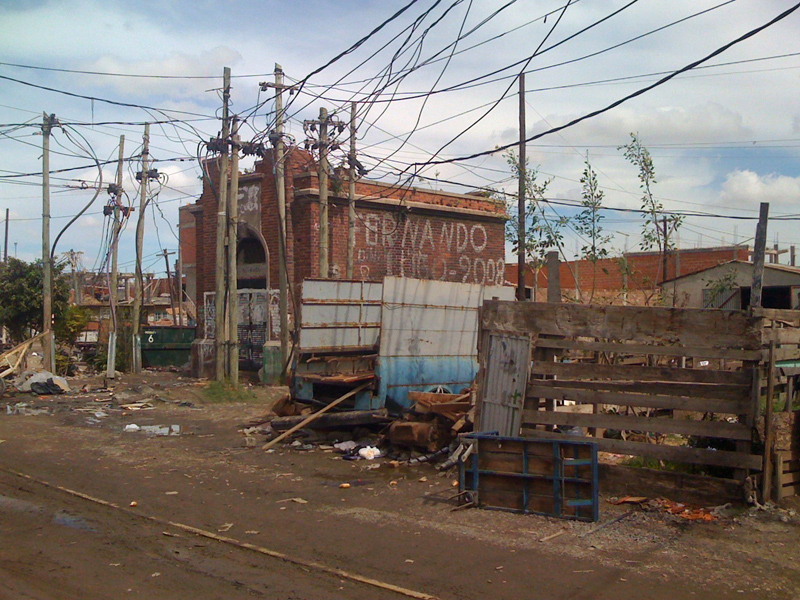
(658, 350)
(701, 456)
(630, 373)
(593, 396)
(714, 429)
(719, 391)
(642, 324)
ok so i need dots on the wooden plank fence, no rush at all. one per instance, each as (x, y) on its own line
(583, 354)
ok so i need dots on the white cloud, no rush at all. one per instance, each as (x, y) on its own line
(746, 188)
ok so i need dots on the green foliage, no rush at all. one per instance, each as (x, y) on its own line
(21, 294)
(652, 233)
(218, 392)
(70, 324)
(541, 233)
(587, 222)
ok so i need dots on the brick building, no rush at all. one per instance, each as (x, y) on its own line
(636, 272)
(399, 231)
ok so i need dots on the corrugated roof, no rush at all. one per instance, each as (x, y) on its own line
(773, 266)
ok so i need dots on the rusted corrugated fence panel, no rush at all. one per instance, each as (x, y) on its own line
(505, 377)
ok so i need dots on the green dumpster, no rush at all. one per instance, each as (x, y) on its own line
(166, 346)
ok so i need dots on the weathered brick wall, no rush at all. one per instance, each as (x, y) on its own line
(645, 268)
(431, 235)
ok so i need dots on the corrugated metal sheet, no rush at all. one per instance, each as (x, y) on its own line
(340, 315)
(507, 363)
(728, 299)
(429, 333)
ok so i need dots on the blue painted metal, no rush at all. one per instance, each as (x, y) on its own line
(402, 374)
(562, 497)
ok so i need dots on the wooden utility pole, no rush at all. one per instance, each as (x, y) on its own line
(280, 181)
(111, 357)
(759, 251)
(351, 195)
(5, 241)
(521, 193)
(169, 283)
(220, 324)
(233, 287)
(136, 316)
(48, 344)
(323, 194)
(179, 277)
(664, 249)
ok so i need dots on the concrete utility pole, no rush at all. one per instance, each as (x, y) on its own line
(280, 181)
(521, 194)
(665, 249)
(48, 344)
(324, 265)
(136, 316)
(5, 240)
(111, 359)
(351, 195)
(179, 285)
(221, 337)
(233, 276)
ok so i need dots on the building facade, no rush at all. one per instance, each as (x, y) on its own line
(399, 231)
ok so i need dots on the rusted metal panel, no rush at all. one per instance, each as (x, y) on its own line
(506, 364)
(340, 315)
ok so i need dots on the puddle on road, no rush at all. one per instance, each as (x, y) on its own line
(59, 518)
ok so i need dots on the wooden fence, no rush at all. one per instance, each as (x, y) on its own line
(625, 370)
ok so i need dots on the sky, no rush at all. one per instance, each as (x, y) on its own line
(723, 138)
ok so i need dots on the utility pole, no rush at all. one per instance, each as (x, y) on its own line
(179, 286)
(136, 357)
(323, 193)
(220, 326)
(351, 195)
(233, 239)
(48, 345)
(521, 194)
(169, 284)
(664, 250)
(280, 181)
(5, 241)
(111, 358)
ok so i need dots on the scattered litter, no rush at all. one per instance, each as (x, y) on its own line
(100, 414)
(345, 446)
(298, 500)
(500, 568)
(162, 429)
(23, 408)
(225, 527)
(137, 406)
(553, 535)
(423, 479)
(629, 500)
(408, 560)
(131, 427)
(168, 534)
(392, 483)
(43, 383)
(344, 486)
(252, 532)
(455, 483)
(156, 574)
(134, 504)
(114, 564)
(369, 453)
(170, 493)
(682, 510)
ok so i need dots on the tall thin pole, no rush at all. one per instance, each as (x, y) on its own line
(179, 286)
(111, 357)
(323, 193)
(220, 324)
(280, 181)
(351, 195)
(521, 193)
(233, 287)
(136, 316)
(48, 345)
(169, 283)
(5, 240)
(665, 249)
(759, 250)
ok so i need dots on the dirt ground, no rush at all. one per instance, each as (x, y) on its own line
(394, 525)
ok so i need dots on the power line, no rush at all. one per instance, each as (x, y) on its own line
(613, 105)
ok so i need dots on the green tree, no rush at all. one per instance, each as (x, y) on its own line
(541, 233)
(652, 209)
(587, 223)
(21, 296)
